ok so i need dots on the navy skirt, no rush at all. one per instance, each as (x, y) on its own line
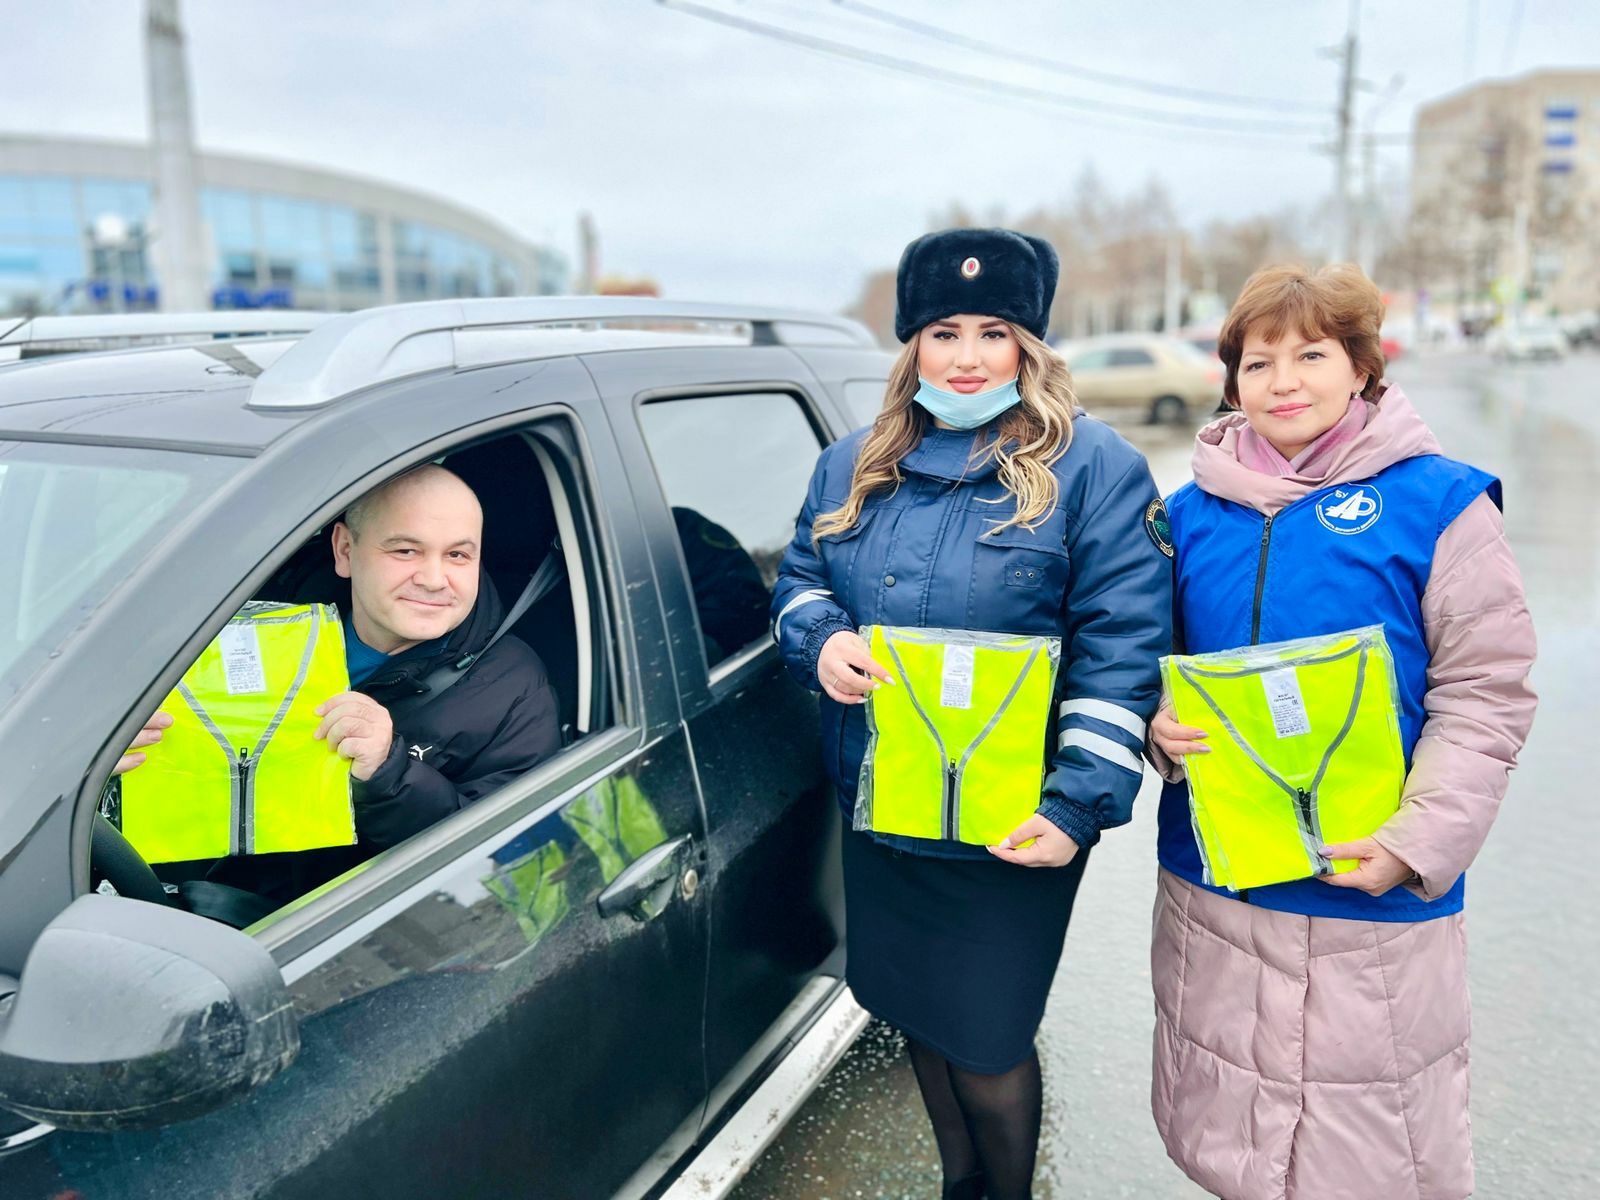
(957, 954)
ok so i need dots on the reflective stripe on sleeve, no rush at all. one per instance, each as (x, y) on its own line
(804, 598)
(1102, 747)
(1104, 710)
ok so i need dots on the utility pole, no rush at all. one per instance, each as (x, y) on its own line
(180, 242)
(1339, 251)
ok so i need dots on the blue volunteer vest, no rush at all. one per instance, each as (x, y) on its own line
(1340, 557)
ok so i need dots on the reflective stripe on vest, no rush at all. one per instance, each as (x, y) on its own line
(956, 750)
(239, 771)
(1305, 750)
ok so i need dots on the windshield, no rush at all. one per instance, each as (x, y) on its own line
(73, 522)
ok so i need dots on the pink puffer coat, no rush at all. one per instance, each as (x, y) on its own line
(1300, 1057)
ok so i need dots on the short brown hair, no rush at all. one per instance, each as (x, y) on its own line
(1338, 301)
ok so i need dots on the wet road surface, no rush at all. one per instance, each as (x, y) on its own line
(1533, 925)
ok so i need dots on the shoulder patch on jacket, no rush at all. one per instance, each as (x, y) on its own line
(1158, 526)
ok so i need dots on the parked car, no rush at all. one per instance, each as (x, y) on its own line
(1202, 337)
(1527, 341)
(501, 1005)
(1153, 378)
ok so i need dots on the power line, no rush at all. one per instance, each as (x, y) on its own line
(997, 50)
(1215, 125)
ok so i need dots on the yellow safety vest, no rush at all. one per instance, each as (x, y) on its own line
(239, 771)
(1305, 751)
(957, 750)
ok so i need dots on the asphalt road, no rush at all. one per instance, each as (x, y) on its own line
(1533, 921)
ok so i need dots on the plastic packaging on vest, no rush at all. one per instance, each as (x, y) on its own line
(1305, 750)
(956, 747)
(239, 771)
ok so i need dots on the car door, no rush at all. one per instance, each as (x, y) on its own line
(719, 450)
(481, 1010)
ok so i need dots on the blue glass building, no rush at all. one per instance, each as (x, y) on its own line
(76, 235)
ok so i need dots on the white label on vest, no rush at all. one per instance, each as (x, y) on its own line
(1288, 707)
(241, 660)
(956, 689)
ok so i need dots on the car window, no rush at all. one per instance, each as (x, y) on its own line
(1131, 356)
(73, 520)
(734, 470)
(242, 808)
(1091, 360)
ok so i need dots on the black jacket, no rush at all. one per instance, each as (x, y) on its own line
(492, 725)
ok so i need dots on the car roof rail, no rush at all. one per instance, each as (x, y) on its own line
(359, 349)
(60, 334)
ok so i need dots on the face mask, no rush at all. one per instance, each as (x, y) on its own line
(967, 411)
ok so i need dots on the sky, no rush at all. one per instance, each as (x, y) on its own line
(731, 165)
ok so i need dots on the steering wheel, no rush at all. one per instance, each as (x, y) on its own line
(113, 858)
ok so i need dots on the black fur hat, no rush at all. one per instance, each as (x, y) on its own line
(989, 272)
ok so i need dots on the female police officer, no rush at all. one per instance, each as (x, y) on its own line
(979, 501)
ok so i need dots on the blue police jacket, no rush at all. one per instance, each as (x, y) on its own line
(1350, 554)
(1095, 572)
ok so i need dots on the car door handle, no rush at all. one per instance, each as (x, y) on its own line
(646, 886)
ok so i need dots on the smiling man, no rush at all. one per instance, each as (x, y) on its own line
(411, 550)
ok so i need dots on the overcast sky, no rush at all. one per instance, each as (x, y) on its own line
(730, 165)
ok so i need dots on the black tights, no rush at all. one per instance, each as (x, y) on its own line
(986, 1126)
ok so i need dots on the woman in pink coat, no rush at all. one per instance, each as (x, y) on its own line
(1312, 1037)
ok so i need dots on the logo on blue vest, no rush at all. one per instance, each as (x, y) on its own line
(1351, 509)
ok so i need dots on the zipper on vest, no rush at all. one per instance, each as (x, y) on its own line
(244, 799)
(1302, 799)
(1261, 583)
(950, 801)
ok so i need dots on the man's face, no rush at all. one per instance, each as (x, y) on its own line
(413, 568)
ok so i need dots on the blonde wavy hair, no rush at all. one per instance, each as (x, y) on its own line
(1028, 438)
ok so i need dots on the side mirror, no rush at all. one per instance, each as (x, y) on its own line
(132, 1015)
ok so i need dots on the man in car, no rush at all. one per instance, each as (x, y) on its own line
(411, 550)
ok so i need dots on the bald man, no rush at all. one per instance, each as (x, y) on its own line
(411, 550)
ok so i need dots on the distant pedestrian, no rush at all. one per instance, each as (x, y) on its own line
(978, 504)
(1312, 1036)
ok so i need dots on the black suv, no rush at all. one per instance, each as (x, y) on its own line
(502, 1005)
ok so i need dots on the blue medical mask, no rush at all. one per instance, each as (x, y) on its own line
(967, 411)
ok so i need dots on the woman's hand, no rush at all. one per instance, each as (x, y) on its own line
(847, 671)
(1037, 842)
(1379, 870)
(1176, 740)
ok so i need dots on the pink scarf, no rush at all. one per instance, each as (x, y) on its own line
(1262, 456)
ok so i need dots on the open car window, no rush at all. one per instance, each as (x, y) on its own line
(241, 810)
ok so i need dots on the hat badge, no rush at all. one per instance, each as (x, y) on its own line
(970, 268)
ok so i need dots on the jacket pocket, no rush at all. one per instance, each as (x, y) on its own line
(1019, 580)
(1019, 558)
